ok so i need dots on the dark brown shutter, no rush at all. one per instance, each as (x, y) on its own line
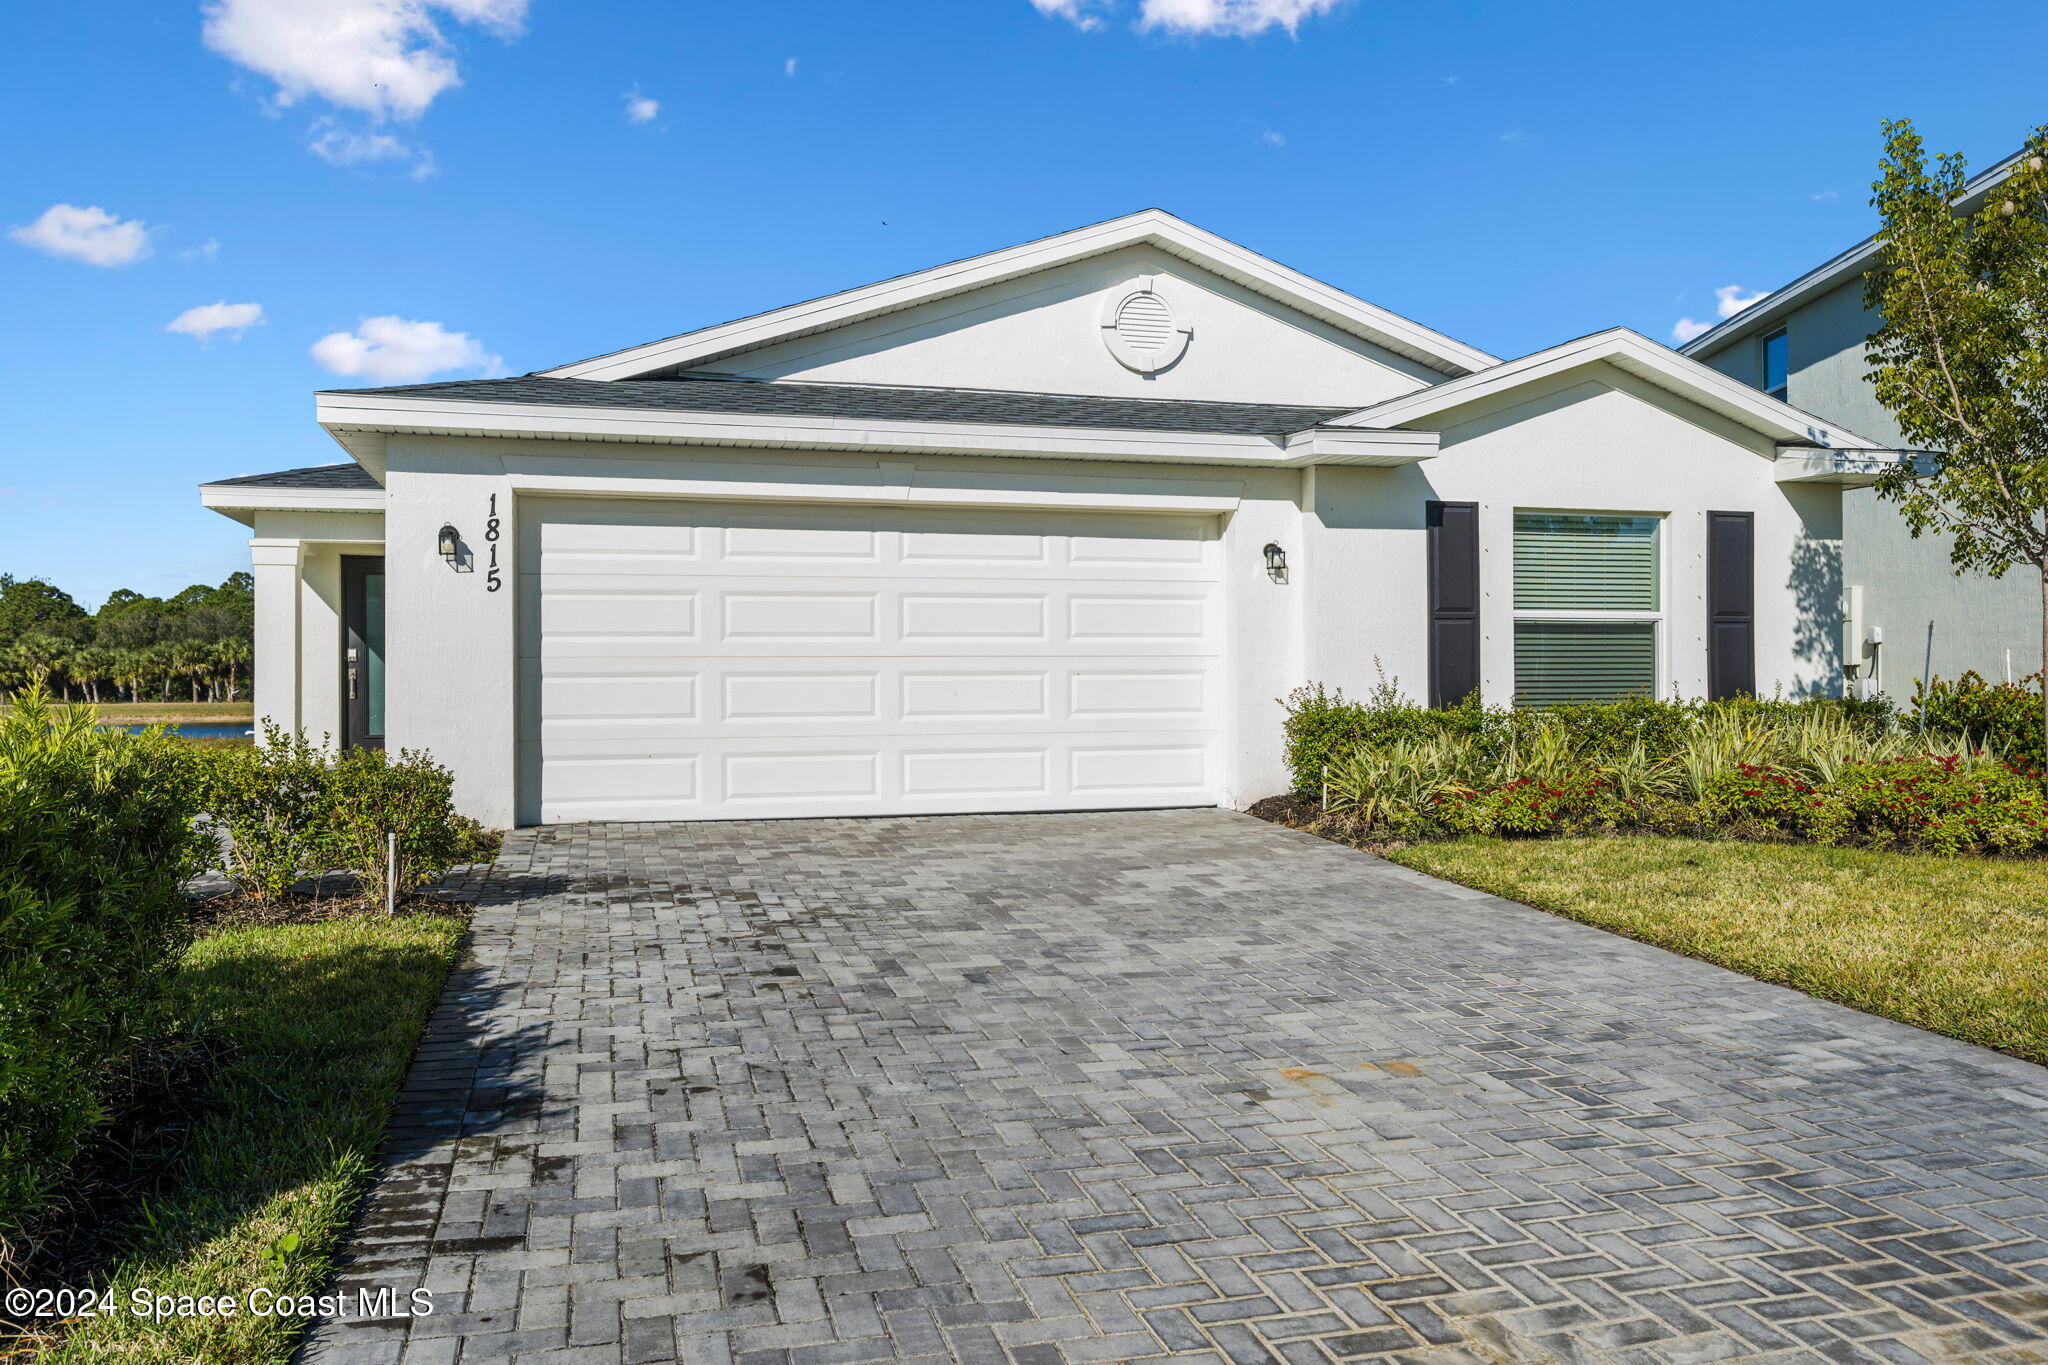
(1731, 604)
(1453, 601)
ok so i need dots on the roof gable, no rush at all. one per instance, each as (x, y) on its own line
(1635, 354)
(1152, 228)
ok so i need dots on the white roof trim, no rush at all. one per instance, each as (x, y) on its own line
(1635, 354)
(1849, 265)
(364, 419)
(1152, 227)
(270, 498)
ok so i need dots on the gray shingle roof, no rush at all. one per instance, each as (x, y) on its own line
(878, 403)
(346, 476)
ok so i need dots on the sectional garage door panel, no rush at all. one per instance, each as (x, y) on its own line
(686, 660)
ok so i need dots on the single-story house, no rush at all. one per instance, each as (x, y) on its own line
(1047, 528)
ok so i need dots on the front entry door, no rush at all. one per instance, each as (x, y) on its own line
(362, 651)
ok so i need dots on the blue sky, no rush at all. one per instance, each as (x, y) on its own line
(489, 177)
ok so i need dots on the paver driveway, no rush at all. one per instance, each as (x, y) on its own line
(1062, 1088)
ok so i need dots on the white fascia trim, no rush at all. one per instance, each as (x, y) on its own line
(1356, 446)
(1152, 227)
(1629, 351)
(345, 415)
(245, 498)
(887, 483)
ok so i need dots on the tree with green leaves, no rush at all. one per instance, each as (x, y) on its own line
(1961, 359)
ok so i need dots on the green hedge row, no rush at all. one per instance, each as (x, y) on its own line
(96, 837)
(99, 831)
(1323, 726)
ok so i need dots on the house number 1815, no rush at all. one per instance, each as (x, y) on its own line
(492, 579)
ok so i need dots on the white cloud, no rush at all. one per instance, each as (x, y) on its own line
(88, 234)
(1272, 138)
(1238, 18)
(338, 145)
(789, 68)
(1085, 15)
(640, 109)
(202, 322)
(1826, 197)
(205, 251)
(1730, 299)
(384, 58)
(1235, 18)
(395, 350)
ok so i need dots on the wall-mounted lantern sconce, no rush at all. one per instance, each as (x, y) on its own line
(1276, 563)
(451, 543)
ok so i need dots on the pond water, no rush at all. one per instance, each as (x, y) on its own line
(193, 729)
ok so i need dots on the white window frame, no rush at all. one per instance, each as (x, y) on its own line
(1660, 636)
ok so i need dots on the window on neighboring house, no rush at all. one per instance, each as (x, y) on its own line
(1588, 606)
(1776, 368)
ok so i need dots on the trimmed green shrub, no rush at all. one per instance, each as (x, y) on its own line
(1322, 725)
(96, 838)
(289, 809)
(271, 803)
(368, 795)
(2002, 717)
(1810, 771)
(1948, 804)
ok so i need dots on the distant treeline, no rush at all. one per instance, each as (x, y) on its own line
(196, 645)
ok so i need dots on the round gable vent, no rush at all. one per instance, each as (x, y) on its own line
(1141, 331)
(1144, 322)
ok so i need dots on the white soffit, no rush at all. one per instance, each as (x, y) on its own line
(1152, 227)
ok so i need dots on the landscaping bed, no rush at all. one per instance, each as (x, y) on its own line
(1816, 771)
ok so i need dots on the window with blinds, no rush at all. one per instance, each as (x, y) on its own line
(1566, 661)
(1571, 566)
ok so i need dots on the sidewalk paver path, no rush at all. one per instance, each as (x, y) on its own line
(1050, 1089)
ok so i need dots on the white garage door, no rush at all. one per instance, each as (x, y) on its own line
(688, 660)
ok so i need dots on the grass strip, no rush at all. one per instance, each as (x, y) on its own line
(322, 1018)
(1954, 945)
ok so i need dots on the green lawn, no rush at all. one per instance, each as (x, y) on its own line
(322, 1019)
(149, 712)
(1956, 945)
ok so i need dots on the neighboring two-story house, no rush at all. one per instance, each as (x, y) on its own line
(1908, 614)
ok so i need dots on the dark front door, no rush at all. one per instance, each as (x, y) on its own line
(362, 651)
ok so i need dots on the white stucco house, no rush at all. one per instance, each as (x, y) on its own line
(1048, 528)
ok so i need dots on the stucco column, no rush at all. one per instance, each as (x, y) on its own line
(275, 565)
(450, 635)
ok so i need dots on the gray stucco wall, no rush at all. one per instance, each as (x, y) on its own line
(1933, 622)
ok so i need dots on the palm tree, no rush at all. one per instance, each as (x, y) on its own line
(233, 654)
(191, 660)
(162, 667)
(131, 668)
(40, 658)
(88, 667)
